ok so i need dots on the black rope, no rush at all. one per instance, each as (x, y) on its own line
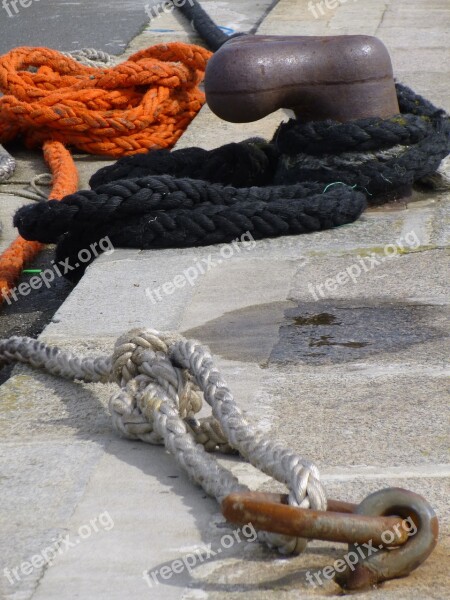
(166, 212)
(378, 155)
(292, 185)
(202, 23)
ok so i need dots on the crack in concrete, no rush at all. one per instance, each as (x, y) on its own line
(380, 24)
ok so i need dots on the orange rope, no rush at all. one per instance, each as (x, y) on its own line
(142, 104)
(65, 181)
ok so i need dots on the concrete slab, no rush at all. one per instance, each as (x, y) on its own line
(292, 17)
(30, 474)
(123, 549)
(433, 86)
(354, 379)
(230, 15)
(411, 236)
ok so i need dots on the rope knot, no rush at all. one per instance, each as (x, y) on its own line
(143, 368)
(129, 352)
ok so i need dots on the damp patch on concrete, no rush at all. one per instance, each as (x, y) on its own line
(340, 332)
(324, 332)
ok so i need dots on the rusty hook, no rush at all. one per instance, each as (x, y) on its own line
(270, 512)
(378, 523)
(382, 563)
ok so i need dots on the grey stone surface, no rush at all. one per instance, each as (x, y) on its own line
(355, 381)
(29, 164)
(71, 25)
(165, 509)
(41, 484)
(243, 16)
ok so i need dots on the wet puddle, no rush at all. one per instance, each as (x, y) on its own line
(317, 332)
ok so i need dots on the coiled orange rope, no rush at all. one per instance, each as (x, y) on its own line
(142, 104)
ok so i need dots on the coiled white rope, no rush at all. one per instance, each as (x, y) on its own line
(92, 57)
(162, 378)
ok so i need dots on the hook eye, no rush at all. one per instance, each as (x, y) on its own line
(381, 562)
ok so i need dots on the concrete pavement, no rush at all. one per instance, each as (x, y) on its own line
(353, 377)
(107, 26)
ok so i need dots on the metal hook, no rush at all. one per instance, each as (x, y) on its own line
(380, 544)
(382, 563)
(270, 512)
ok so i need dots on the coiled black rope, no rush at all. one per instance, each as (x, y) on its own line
(381, 156)
(310, 177)
(168, 212)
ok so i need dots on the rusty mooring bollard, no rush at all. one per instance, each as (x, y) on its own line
(339, 77)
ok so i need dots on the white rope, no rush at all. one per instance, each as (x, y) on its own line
(36, 193)
(7, 164)
(162, 379)
(91, 57)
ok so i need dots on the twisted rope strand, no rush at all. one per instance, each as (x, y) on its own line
(141, 104)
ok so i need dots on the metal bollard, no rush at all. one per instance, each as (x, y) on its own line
(338, 77)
